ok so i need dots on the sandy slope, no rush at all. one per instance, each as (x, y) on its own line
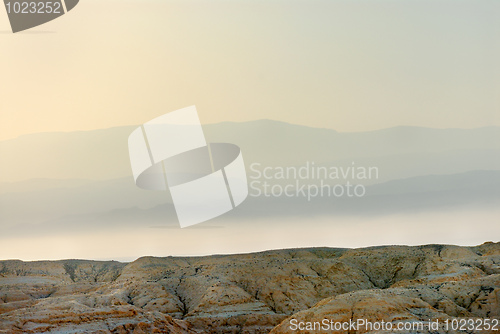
(249, 293)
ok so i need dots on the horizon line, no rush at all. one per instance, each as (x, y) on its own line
(488, 242)
(255, 121)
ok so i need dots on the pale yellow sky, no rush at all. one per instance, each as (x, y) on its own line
(349, 65)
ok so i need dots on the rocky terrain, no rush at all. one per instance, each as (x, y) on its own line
(251, 293)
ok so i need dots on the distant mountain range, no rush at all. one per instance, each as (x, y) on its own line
(80, 179)
(399, 152)
(102, 205)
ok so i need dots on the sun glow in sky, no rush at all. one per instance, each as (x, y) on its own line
(348, 65)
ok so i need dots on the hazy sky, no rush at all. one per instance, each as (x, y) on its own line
(348, 65)
(216, 237)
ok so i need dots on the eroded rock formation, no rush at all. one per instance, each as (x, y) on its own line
(250, 293)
